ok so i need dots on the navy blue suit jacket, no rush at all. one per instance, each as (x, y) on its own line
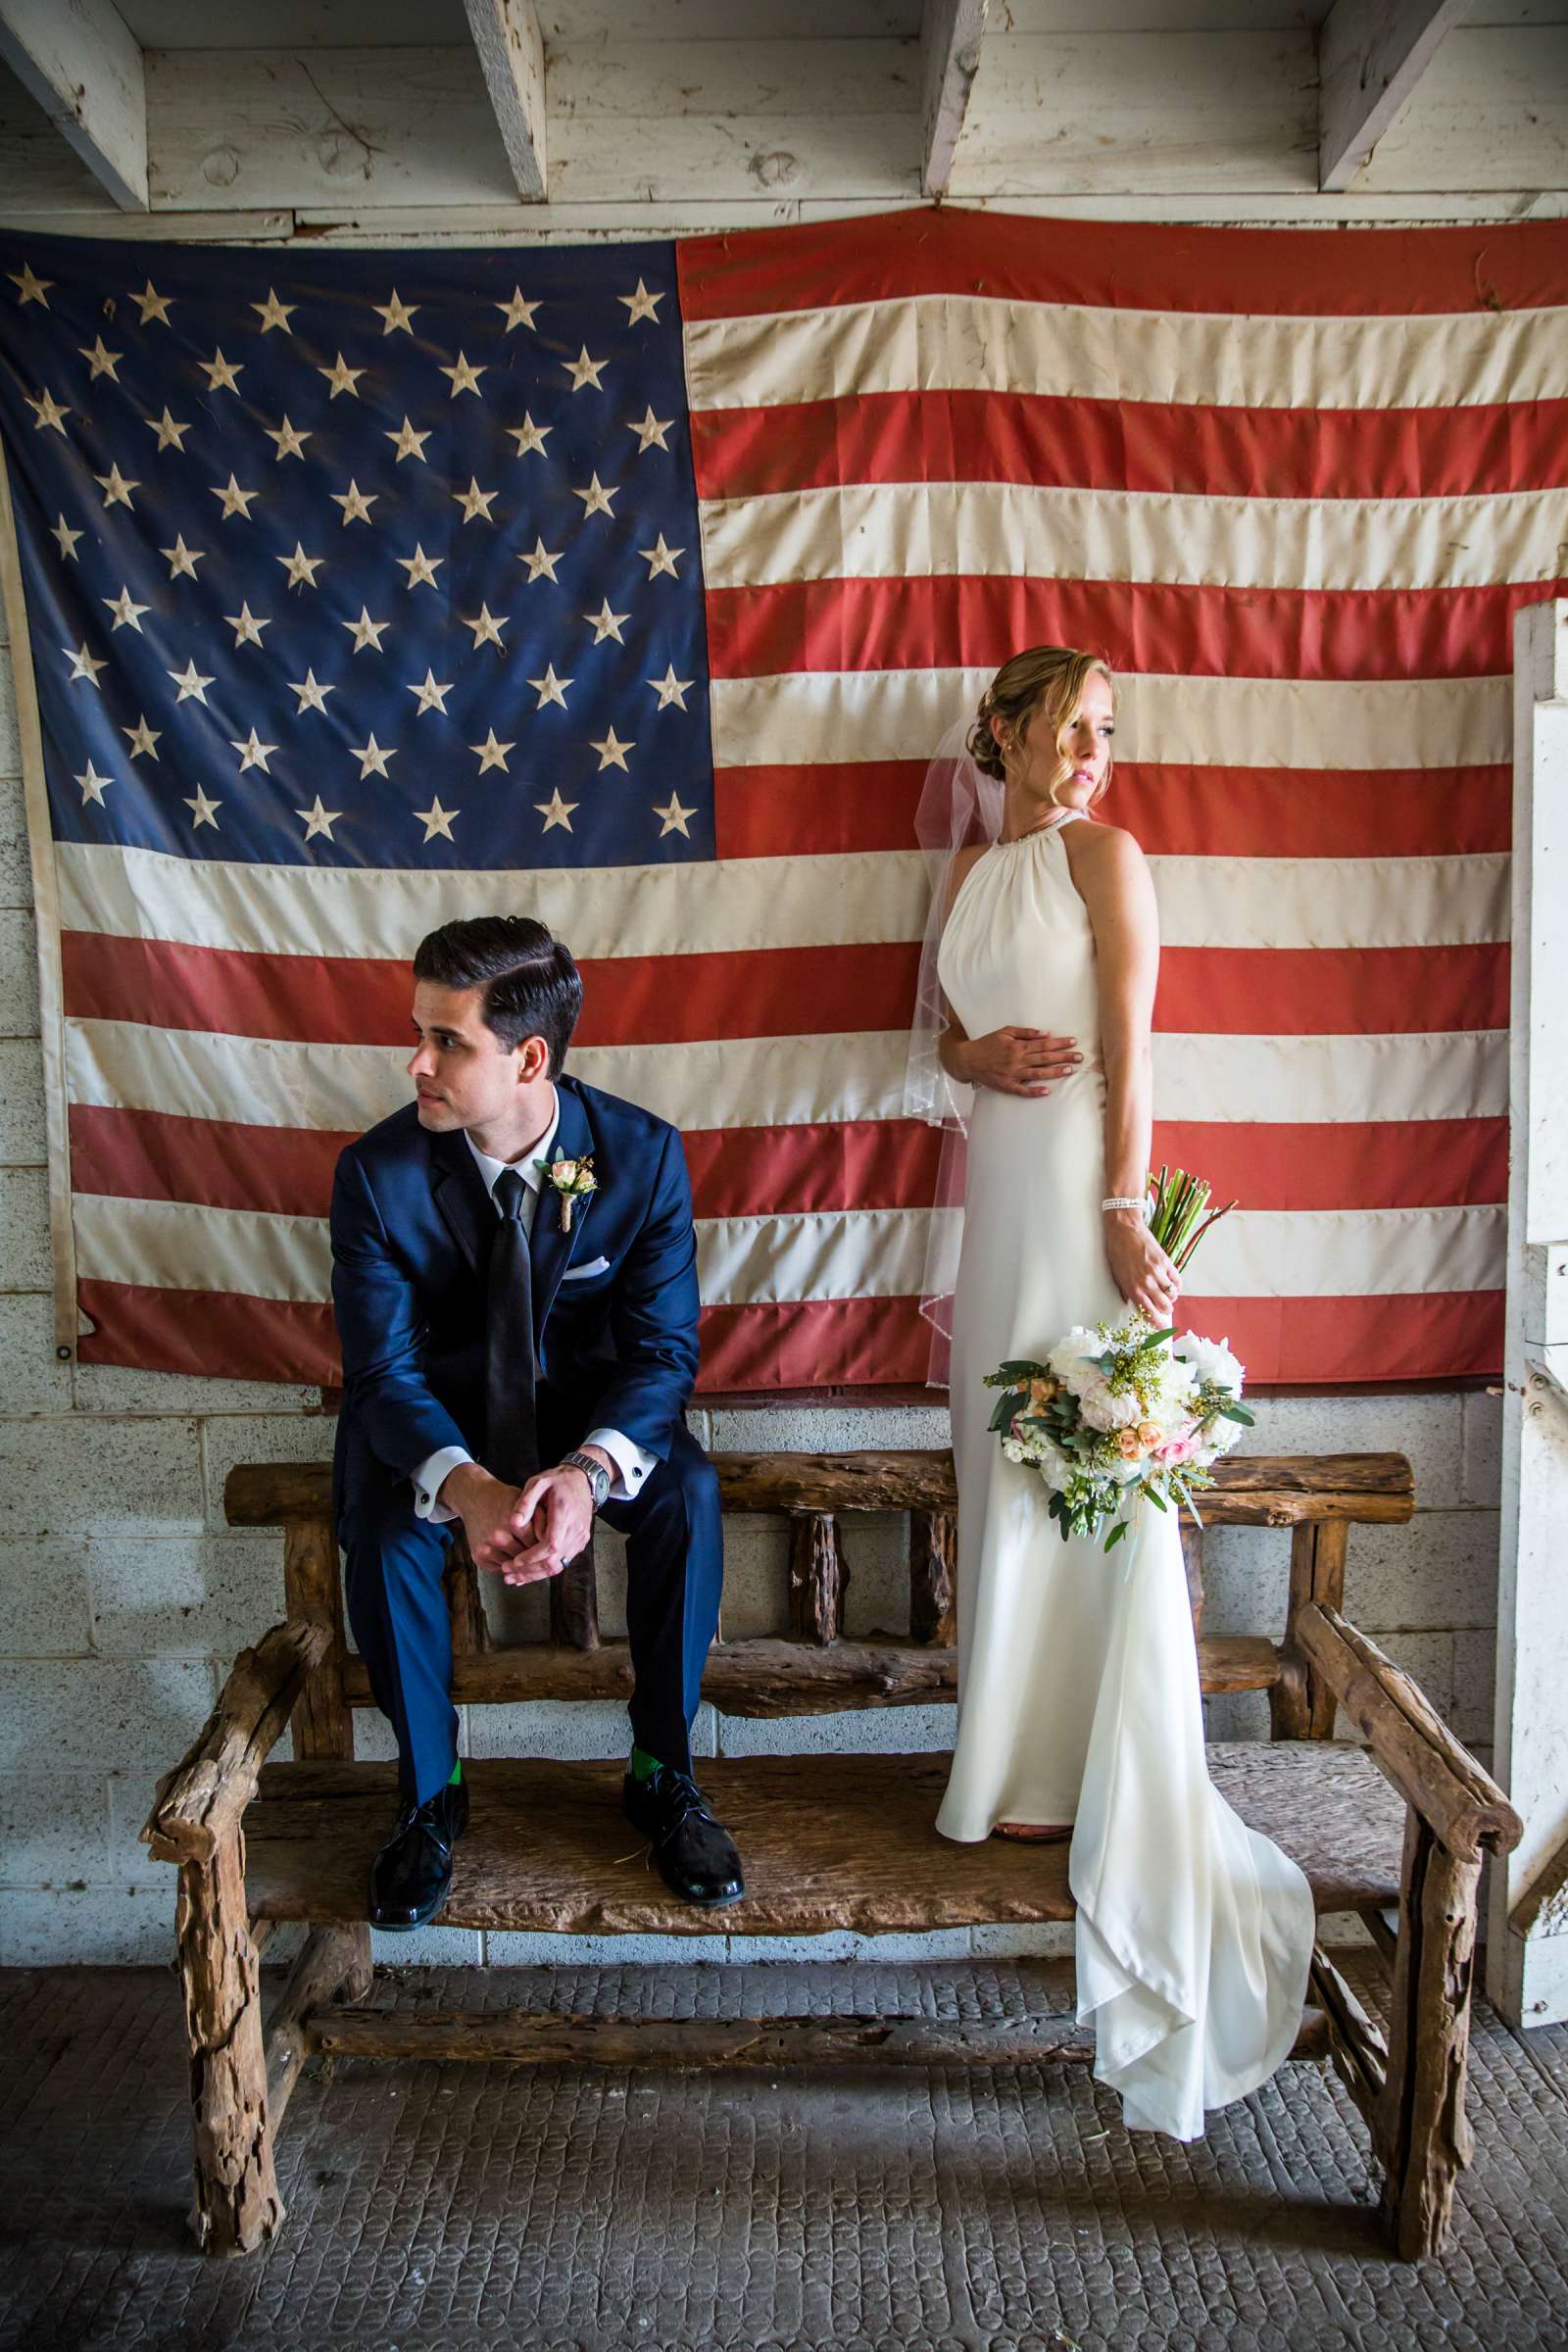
(412, 1227)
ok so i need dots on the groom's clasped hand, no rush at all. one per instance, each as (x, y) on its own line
(523, 1534)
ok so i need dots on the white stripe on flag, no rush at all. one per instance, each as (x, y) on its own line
(749, 903)
(817, 717)
(850, 1253)
(787, 1081)
(940, 342)
(909, 531)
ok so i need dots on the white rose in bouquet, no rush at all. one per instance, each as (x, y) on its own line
(1212, 1363)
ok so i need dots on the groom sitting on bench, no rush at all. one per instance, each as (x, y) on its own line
(515, 1281)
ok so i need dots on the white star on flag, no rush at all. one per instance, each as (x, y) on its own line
(660, 558)
(290, 440)
(492, 753)
(253, 752)
(116, 489)
(557, 811)
(606, 623)
(436, 820)
(181, 558)
(83, 665)
(651, 432)
(342, 378)
(486, 629)
(465, 376)
(301, 568)
(517, 312)
(354, 504)
(141, 738)
(474, 500)
(170, 434)
(68, 538)
(408, 443)
(246, 626)
(319, 820)
(584, 370)
(33, 290)
(675, 816)
(48, 411)
(234, 500)
(273, 313)
(550, 689)
(193, 685)
(670, 689)
(312, 693)
(372, 757)
(541, 561)
(153, 305)
(366, 631)
(101, 362)
(595, 499)
(613, 752)
(641, 305)
(528, 435)
(397, 313)
(221, 376)
(420, 567)
(431, 696)
(204, 811)
(94, 785)
(125, 609)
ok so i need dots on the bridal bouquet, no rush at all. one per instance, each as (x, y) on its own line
(1126, 1410)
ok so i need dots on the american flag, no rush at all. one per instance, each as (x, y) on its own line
(632, 586)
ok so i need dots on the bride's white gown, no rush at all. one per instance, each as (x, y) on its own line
(1078, 1688)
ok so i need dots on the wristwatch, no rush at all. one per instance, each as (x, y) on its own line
(595, 1474)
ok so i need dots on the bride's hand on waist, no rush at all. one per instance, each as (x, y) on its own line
(1140, 1269)
(1018, 1062)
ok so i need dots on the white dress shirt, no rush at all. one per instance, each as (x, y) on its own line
(632, 1462)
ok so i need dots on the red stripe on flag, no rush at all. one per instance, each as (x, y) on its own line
(869, 1163)
(1345, 1342)
(1330, 991)
(636, 1000)
(1174, 811)
(1170, 629)
(1150, 265)
(216, 1333)
(968, 436)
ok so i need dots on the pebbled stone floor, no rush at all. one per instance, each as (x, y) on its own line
(455, 2207)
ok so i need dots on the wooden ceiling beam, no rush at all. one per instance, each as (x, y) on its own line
(1371, 54)
(950, 34)
(512, 52)
(83, 66)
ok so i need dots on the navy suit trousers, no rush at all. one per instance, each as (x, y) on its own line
(393, 1565)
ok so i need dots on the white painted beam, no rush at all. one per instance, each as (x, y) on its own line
(1371, 54)
(512, 52)
(79, 59)
(950, 34)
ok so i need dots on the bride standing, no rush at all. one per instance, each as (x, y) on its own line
(1079, 1711)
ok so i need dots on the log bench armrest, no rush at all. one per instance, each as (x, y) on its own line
(1458, 1797)
(200, 1802)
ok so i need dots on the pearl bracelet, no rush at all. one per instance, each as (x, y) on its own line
(1122, 1200)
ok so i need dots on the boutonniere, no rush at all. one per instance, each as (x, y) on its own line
(574, 1180)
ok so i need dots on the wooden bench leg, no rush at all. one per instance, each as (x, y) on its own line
(1425, 2136)
(330, 1960)
(238, 2206)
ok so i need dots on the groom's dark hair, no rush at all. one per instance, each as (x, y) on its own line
(531, 987)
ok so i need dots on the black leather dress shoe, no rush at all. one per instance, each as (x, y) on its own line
(411, 1874)
(695, 1854)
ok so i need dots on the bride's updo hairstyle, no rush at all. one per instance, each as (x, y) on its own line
(1044, 682)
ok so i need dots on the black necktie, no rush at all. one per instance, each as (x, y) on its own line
(513, 1428)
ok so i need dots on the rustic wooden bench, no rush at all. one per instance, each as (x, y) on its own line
(1394, 1831)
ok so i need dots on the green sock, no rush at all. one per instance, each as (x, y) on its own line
(643, 1765)
(457, 1774)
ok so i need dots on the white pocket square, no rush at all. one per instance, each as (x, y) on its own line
(595, 1265)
